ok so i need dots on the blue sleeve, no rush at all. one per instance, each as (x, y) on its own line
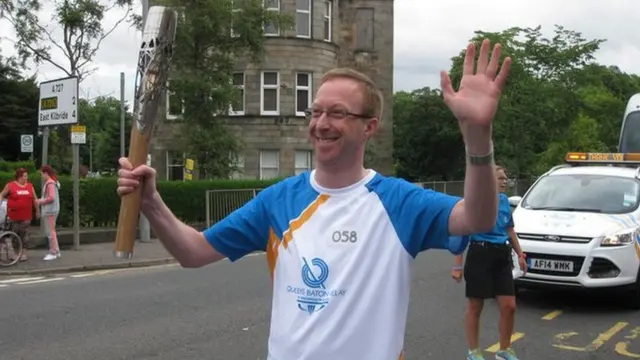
(420, 217)
(243, 231)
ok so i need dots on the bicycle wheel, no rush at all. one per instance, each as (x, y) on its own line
(10, 248)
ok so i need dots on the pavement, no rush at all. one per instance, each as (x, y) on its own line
(223, 311)
(89, 257)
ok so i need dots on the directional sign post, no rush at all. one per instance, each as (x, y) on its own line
(26, 143)
(78, 134)
(59, 106)
(58, 102)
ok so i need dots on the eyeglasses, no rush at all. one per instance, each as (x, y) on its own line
(332, 114)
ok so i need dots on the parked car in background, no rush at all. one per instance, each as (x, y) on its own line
(579, 225)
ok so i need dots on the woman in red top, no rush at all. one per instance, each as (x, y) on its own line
(21, 202)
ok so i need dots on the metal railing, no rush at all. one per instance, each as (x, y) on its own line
(221, 203)
(515, 186)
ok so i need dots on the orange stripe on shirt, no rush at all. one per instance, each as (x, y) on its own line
(303, 218)
(272, 251)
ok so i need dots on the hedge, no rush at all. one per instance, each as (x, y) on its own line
(100, 205)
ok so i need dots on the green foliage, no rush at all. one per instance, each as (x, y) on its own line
(427, 142)
(557, 99)
(201, 79)
(102, 118)
(18, 115)
(79, 22)
(100, 205)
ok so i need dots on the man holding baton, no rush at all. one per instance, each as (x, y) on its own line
(340, 239)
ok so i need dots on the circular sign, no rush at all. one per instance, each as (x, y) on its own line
(26, 140)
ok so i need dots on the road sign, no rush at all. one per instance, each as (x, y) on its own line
(26, 143)
(78, 134)
(58, 102)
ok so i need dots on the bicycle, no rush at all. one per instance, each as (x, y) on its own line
(11, 246)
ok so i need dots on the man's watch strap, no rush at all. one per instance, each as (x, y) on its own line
(486, 159)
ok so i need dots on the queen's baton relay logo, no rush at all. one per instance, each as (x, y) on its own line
(315, 295)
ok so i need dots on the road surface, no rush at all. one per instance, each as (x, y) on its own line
(222, 312)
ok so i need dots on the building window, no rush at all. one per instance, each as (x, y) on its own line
(270, 94)
(271, 28)
(175, 165)
(175, 104)
(303, 18)
(302, 161)
(236, 15)
(269, 164)
(237, 106)
(364, 26)
(238, 163)
(328, 7)
(303, 92)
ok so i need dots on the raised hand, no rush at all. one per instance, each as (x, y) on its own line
(476, 101)
(129, 179)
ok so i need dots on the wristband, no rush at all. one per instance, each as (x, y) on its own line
(523, 256)
(485, 159)
(457, 267)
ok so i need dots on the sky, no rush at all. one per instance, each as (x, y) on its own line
(426, 35)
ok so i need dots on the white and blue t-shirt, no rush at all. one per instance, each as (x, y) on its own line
(340, 261)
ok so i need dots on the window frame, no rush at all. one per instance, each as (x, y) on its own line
(308, 88)
(264, 87)
(262, 167)
(234, 10)
(309, 166)
(243, 99)
(169, 165)
(327, 21)
(274, 9)
(307, 13)
(238, 162)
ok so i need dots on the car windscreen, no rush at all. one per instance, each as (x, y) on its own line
(630, 134)
(585, 193)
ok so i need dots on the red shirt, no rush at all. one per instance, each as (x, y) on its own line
(20, 202)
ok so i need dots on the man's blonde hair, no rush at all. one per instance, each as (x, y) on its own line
(373, 98)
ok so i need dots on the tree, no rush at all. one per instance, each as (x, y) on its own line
(427, 142)
(539, 103)
(212, 37)
(18, 115)
(76, 31)
(557, 99)
(102, 119)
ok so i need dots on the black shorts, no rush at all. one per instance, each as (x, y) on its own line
(488, 271)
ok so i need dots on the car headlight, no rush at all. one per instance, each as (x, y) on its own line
(624, 237)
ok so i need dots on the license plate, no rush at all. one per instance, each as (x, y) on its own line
(553, 265)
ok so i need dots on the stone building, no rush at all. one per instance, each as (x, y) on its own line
(327, 34)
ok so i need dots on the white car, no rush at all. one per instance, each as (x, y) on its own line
(579, 225)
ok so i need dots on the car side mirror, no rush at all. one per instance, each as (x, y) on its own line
(515, 200)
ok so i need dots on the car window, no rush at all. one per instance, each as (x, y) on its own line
(630, 138)
(588, 193)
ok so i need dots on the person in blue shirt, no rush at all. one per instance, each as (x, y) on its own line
(488, 274)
